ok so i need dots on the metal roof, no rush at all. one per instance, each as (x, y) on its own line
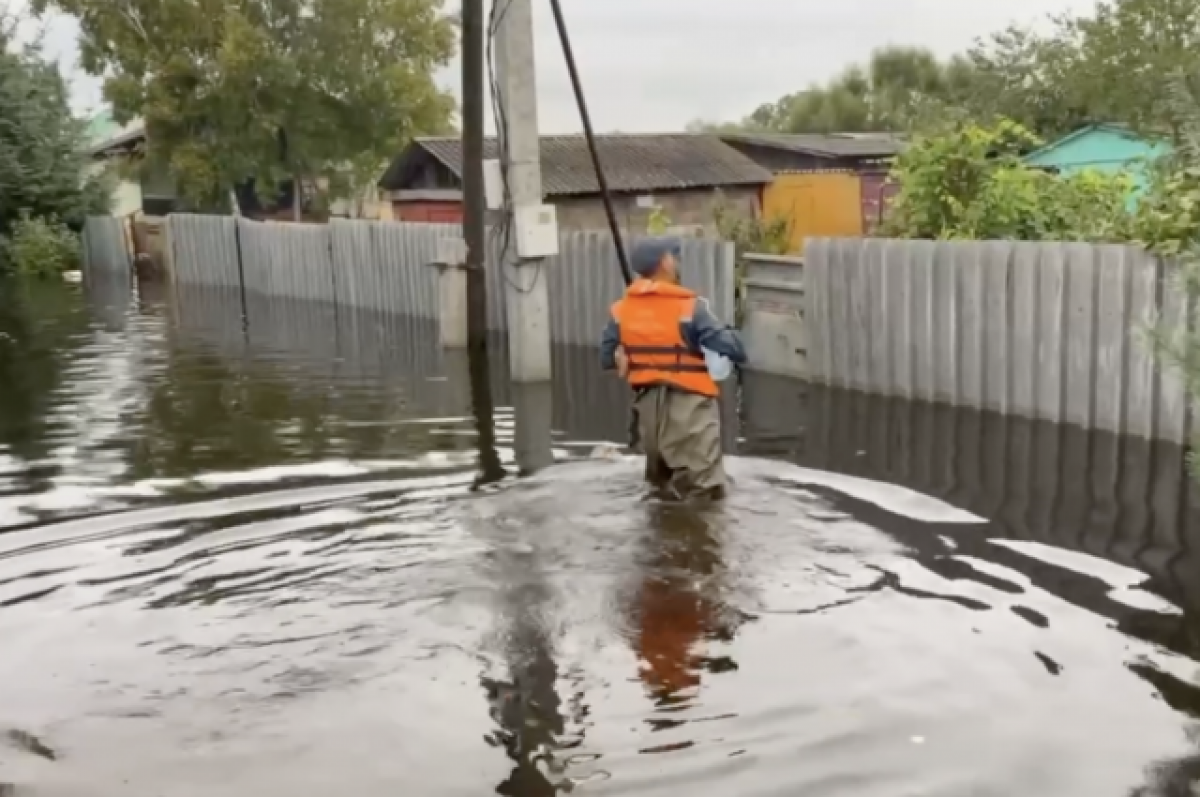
(832, 145)
(131, 133)
(632, 163)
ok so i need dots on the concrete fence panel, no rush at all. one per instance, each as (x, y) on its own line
(386, 266)
(103, 247)
(774, 329)
(204, 249)
(1043, 330)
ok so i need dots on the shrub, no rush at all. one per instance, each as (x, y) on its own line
(39, 247)
(964, 180)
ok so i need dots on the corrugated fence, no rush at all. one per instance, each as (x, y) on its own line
(386, 266)
(1041, 330)
(104, 249)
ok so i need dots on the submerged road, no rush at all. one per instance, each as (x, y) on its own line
(246, 562)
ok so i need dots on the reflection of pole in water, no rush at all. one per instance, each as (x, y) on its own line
(533, 443)
(527, 707)
(474, 209)
(490, 468)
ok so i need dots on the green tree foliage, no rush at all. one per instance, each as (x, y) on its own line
(889, 94)
(1127, 51)
(1107, 66)
(659, 222)
(967, 181)
(41, 247)
(1030, 79)
(268, 89)
(768, 236)
(43, 169)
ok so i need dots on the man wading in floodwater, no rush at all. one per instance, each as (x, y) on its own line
(655, 339)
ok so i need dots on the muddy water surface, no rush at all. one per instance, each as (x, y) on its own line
(248, 560)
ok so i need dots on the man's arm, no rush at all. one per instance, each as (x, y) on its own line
(610, 340)
(706, 331)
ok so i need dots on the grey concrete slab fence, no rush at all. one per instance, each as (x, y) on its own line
(104, 249)
(385, 266)
(1042, 330)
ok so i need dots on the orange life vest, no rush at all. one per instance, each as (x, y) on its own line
(649, 317)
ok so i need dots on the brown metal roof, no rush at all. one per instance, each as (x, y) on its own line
(833, 145)
(632, 163)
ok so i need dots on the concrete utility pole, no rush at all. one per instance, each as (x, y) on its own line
(527, 299)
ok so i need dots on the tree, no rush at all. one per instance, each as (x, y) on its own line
(43, 168)
(233, 90)
(1127, 51)
(1028, 78)
(1105, 67)
(889, 94)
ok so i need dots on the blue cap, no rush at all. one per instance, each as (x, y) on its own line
(648, 254)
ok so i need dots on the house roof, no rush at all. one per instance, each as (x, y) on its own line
(832, 145)
(1120, 130)
(100, 127)
(123, 138)
(632, 163)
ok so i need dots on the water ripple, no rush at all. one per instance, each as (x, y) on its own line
(257, 564)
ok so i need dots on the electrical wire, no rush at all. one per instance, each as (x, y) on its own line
(502, 231)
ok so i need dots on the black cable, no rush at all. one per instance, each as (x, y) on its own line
(622, 258)
(601, 180)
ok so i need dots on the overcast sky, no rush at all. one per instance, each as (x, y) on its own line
(655, 65)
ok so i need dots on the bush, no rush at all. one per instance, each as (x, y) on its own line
(750, 235)
(41, 248)
(965, 180)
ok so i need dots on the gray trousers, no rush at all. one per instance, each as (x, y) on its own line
(681, 437)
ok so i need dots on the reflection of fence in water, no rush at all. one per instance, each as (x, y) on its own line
(110, 296)
(346, 345)
(1124, 499)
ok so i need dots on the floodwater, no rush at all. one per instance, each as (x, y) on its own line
(248, 559)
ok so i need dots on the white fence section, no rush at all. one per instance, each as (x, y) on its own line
(104, 249)
(386, 266)
(1050, 331)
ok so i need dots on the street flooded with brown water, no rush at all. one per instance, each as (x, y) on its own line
(248, 559)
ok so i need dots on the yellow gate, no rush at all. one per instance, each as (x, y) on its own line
(815, 204)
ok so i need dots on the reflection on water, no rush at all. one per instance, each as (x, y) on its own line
(1126, 501)
(249, 559)
(678, 606)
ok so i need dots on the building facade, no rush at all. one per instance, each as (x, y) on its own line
(683, 177)
(1110, 149)
(824, 185)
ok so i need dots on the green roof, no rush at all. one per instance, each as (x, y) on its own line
(101, 127)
